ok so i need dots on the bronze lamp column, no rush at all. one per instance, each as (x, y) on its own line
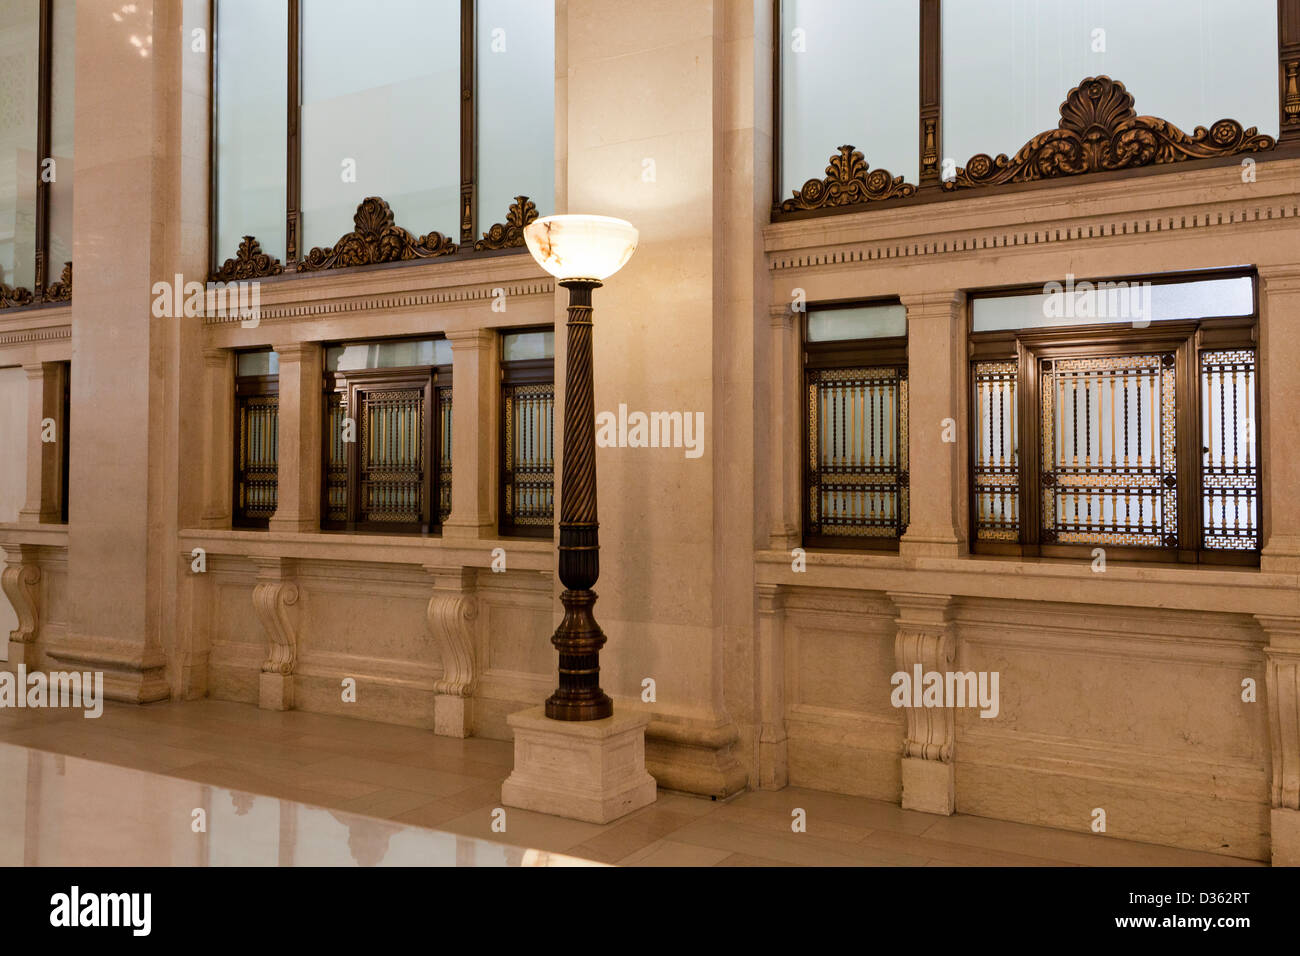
(580, 251)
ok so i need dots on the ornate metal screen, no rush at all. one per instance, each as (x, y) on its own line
(529, 491)
(390, 437)
(336, 465)
(1229, 459)
(997, 452)
(257, 469)
(1109, 458)
(444, 454)
(857, 452)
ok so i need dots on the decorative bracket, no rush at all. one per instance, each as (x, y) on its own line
(274, 596)
(1100, 131)
(450, 615)
(19, 580)
(376, 239)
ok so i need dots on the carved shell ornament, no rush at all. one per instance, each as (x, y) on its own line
(1100, 131)
(250, 262)
(849, 181)
(376, 238)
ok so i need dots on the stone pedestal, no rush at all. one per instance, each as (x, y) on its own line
(275, 691)
(591, 770)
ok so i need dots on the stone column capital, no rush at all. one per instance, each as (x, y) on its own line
(933, 304)
(471, 339)
(296, 351)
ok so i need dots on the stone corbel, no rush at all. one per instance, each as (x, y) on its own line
(451, 614)
(274, 599)
(20, 582)
(1282, 688)
(773, 759)
(925, 637)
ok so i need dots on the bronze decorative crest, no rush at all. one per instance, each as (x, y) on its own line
(849, 182)
(1100, 131)
(505, 235)
(376, 239)
(250, 262)
(61, 291)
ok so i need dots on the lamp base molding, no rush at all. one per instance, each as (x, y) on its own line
(589, 770)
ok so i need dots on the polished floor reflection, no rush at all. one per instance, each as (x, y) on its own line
(312, 789)
(57, 810)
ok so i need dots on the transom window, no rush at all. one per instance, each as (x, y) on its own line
(349, 133)
(1138, 436)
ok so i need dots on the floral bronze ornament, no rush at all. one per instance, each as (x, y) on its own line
(250, 262)
(376, 239)
(14, 295)
(1100, 131)
(508, 234)
(61, 291)
(849, 182)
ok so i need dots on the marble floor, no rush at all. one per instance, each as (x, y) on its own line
(298, 788)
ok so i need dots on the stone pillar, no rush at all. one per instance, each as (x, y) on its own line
(218, 450)
(45, 384)
(926, 640)
(1282, 689)
(773, 761)
(301, 388)
(20, 581)
(1279, 390)
(936, 348)
(474, 435)
(786, 428)
(274, 600)
(451, 614)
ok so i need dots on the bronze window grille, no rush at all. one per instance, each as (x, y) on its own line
(257, 449)
(393, 477)
(527, 500)
(855, 442)
(1141, 440)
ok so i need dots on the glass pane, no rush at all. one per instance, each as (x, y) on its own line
(864, 322)
(252, 46)
(515, 93)
(849, 75)
(380, 114)
(1100, 303)
(63, 41)
(1191, 62)
(257, 363)
(362, 355)
(19, 28)
(858, 420)
(517, 346)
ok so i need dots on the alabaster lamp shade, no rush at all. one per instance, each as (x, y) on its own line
(581, 247)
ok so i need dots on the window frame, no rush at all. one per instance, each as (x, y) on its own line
(1187, 339)
(432, 379)
(882, 352)
(249, 386)
(512, 373)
